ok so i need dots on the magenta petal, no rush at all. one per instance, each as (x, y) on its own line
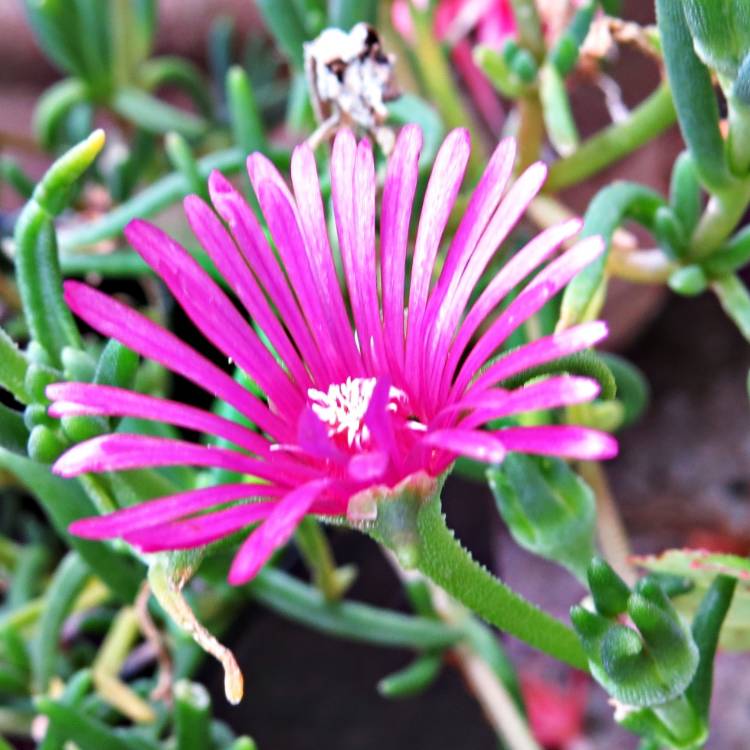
(566, 441)
(159, 511)
(442, 189)
(551, 393)
(482, 205)
(121, 451)
(313, 438)
(518, 267)
(274, 532)
(548, 283)
(398, 196)
(261, 260)
(363, 257)
(281, 217)
(86, 398)
(343, 161)
(212, 312)
(378, 420)
(200, 530)
(511, 209)
(529, 302)
(111, 318)
(545, 349)
(368, 466)
(312, 218)
(480, 446)
(217, 242)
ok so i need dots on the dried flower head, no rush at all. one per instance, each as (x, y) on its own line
(350, 78)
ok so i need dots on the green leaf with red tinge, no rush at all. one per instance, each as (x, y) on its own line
(701, 567)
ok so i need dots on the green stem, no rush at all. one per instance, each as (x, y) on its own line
(413, 526)
(157, 197)
(530, 130)
(529, 26)
(646, 121)
(360, 622)
(192, 714)
(318, 555)
(739, 136)
(722, 214)
(608, 210)
(68, 582)
(680, 719)
(735, 300)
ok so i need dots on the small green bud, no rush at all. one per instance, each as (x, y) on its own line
(80, 427)
(117, 365)
(564, 55)
(620, 648)
(78, 365)
(44, 445)
(509, 51)
(36, 414)
(244, 743)
(412, 680)
(494, 65)
(688, 281)
(658, 628)
(525, 66)
(37, 354)
(36, 380)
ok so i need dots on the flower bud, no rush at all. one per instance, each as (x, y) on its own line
(36, 380)
(44, 445)
(117, 365)
(688, 281)
(77, 364)
(36, 414)
(79, 427)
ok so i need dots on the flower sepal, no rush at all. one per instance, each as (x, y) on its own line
(391, 515)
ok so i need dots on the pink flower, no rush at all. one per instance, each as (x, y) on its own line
(556, 712)
(454, 19)
(349, 408)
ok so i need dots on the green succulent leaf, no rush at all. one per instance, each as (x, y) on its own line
(548, 508)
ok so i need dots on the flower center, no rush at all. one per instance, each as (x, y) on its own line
(344, 405)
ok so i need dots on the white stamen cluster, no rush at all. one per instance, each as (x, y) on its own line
(344, 405)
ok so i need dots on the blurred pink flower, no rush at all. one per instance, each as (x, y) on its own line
(349, 407)
(556, 712)
(454, 19)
